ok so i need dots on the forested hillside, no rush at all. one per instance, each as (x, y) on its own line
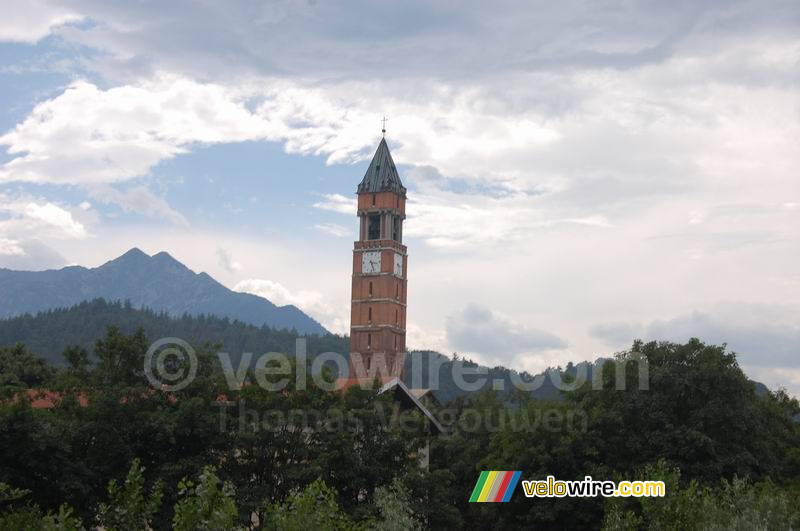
(49, 332)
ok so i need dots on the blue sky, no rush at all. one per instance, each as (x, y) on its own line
(580, 174)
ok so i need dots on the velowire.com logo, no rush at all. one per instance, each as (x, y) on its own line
(495, 486)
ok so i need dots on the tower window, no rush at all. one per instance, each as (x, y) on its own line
(396, 228)
(369, 314)
(373, 199)
(396, 317)
(397, 291)
(369, 340)
(370, 289)
(374, 227)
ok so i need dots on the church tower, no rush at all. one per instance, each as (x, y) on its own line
(378, 311)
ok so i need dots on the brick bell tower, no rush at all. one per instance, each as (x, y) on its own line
(378, 311)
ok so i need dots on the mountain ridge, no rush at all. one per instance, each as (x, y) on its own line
(159, 282)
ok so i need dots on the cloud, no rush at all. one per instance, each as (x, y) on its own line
(138, 199)
(31, 20)
(338, 203)
(56, 217)
(90, 136)
(762, 335)
(10, 247)
(312, 302)
(424, 38)
(478, 329)
(30, 255)
(442, 220)
(227, 261)
(26, 223)
(28, 218)
(332, 228)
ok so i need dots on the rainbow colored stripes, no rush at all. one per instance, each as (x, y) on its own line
(494, 486)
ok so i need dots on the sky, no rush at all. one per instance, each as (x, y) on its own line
(579, 174)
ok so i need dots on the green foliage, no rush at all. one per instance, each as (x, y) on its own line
(207, 505)
(31, 518)
(128, 508)
(120, 358)
(730, 505)
(394, 507)
(8, 493)
(314, 507)
(700, 413)
(63, 520)
(21, 369)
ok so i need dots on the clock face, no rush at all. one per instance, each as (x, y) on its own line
(371, 262)
(398, 264)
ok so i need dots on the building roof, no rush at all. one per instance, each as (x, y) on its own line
(392, 384)
(404, 394)
(422, 393)
(46, 399)
(382, 174)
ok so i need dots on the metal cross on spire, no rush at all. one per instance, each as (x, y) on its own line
(383, 130)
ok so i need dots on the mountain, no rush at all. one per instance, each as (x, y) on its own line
(158, 282)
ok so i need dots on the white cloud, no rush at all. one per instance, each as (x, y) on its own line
(89, 136)
(26, 224)
(139, 199)
(36, 219)
(31, 20)
(11, 247)
(338, 203)
(336, 230)
(57, 218)
(312, 302)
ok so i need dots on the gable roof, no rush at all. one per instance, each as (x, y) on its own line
(382, 174)
(404, 394)
(392, 384)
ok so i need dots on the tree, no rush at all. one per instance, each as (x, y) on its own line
(205, 505)
(736, 504)
(120, 358)
(394, 507)
(700, 413)
(20, 369)
(314, 507)
(128, 508)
